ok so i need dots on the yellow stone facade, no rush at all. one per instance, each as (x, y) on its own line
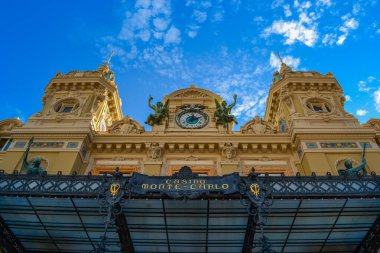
(81, 129)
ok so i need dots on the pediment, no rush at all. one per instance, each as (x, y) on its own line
(126, 126)
(258, 126)
(192, 93)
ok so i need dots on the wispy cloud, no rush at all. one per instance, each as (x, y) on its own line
(304, 22)
(350, 22)
(291, 61)
(348, 98)
(155, 34)
(377, 99)
(361, 112)
(304, 29)
(363, 86)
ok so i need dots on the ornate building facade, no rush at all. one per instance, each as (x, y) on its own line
(194, 190)
(81, 129)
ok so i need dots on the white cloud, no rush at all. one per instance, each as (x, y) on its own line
(304, 5)
(293, 31)
(378, 31)
(172, 36)
(218, 16)
(341, 39)
(326, 3)
(362, 86)
(200, 16)
(351, 23)
(142, 4)
(161, 24)
(287, 10)
(356, 8)
(348, 26)
(304, 29)
(377, 99)
(161, 7)
(361, 112)
(276, 3)
(144, 35)
(289, 60)
(371, 78)
(259, 19)
(192, 33)
(348, 98)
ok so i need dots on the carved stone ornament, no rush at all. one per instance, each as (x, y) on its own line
(99, 98)
(48, 95)
(154, 151)
(258, 126)
(373, 123)
(229, 151)
(192, 94)
(342, 100)
(8, 124)
(126, 126)
(191, 158)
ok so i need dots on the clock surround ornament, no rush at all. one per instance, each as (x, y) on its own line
(192, 117)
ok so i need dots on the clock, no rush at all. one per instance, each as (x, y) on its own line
(192, 119)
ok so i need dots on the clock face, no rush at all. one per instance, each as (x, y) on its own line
(192, 119)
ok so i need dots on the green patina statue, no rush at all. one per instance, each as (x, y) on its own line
(350, 170)
(161, 111)
(34, 167)
(223, 112)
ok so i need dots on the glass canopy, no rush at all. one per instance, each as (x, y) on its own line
(74, 224)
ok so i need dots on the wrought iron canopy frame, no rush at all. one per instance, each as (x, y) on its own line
(280, 186)
(100, 187)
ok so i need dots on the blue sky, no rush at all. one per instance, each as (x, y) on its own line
(225, 46)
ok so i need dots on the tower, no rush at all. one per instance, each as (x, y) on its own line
(75, 105)
(310, 106)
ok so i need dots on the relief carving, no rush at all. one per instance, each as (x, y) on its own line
(229, 151)
(373, 123)
(258, 126)
(191, 158)
(154, 151)
(127, 126)
(192, 94)
(99, 98)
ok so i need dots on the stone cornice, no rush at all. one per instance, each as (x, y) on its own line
(81, 80)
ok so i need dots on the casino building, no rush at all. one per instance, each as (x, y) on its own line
(188, 185)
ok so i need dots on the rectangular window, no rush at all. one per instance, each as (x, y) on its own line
(3, 141)
(6, 145)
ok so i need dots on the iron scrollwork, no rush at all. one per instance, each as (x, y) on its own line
(257, 197)
(111, 201)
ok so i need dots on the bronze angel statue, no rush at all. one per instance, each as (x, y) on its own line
(223, 112)
(161, 111)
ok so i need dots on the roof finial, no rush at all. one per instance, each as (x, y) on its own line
(109, 58)
(279, 56)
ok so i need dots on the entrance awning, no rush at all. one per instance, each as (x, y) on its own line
(71, 221)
